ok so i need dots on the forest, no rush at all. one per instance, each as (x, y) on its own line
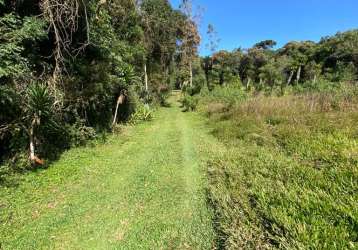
(111, 120)
(54, 90)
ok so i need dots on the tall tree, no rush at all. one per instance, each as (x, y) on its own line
(212, 45)
(191, 37)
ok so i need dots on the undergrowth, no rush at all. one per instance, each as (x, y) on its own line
(288, 178)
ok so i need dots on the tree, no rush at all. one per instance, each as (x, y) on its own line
(162, 29)
(212, 45)
(271, 73)
(15, 35)
(300, 53)
(213, 39)
(191, 37)
(313, 70)
(223, 65)
(38, 111)
(52, 59)
(265, 45)
(207, 65)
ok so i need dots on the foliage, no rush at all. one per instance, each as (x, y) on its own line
(286, 176)
(64, 65)
(143, 113)
(80, 134)
(14, 34)
(230, 95)
(333, 59)
(189, 103)
(40, 103)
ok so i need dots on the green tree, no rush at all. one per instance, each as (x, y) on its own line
(191, 38)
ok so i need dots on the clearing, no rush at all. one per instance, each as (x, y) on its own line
(142, 189)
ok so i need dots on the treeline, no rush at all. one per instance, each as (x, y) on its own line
(333, 59)
(67, 67)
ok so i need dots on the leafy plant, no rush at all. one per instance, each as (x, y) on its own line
(14, 33)
(142, 113)
(190, 103)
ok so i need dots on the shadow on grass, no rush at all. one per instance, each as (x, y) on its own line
(11, 173)
(166, 105)
(220, 236)
(9, 182)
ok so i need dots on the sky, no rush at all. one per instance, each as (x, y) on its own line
(242, 23)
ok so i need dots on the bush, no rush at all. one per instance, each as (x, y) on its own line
(189, 103)
(162, 95)
(4, 170)
(79, 133)
(320, 86)
(192, 90)
(230, 94)
(217, 108)
(142, 113)
(19, 162)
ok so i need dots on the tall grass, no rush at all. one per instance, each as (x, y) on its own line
(289, 177)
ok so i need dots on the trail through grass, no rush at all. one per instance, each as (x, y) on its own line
(141, 190)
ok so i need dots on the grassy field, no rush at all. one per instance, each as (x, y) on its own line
(257, 173)
(142, 189)
(287, 176)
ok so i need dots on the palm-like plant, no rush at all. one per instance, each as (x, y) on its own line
(129, 78)
(39, 104)
(38, 110)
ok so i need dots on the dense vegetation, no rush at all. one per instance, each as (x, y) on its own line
(68, 67)
(333, 59)
(287, 177)
(283, 172)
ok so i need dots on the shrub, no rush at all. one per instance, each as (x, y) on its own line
(163, 93)
(79, 133)
(142, 113)
(4, 170)
(189, 103)
(19, 162)
(231, 94)
(217, 108)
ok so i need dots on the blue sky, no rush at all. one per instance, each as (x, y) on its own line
(242, 23)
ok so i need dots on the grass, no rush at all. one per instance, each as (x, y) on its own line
(142, 189)
(287, 176)
(281, 172)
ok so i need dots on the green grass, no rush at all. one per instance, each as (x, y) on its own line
(287, 175)
(142, 189)
(283, 174)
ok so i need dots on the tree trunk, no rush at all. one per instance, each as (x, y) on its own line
(33, 158)
(290, 78)
(248, 83)
(120, 101)
(145, 77)
(298, 74)
(314, 79)
(191, 74)
(32, 142)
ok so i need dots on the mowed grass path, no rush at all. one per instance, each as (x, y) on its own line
(144, 189)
